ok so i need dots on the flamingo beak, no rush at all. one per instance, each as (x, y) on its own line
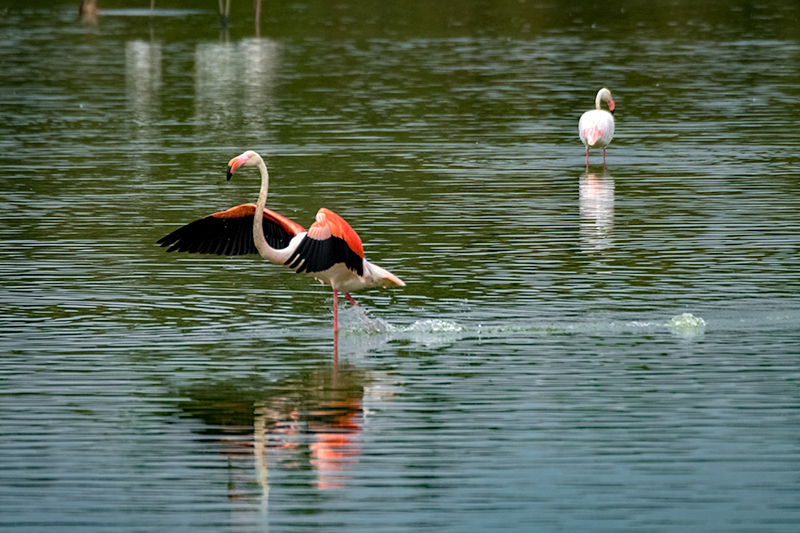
(235, 163)
(611, 106)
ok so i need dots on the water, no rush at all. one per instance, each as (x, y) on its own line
(607, 349)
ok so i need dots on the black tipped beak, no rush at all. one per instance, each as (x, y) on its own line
(230, 173)
(612, 112)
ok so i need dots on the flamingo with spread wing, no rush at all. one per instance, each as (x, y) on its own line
(330, 250)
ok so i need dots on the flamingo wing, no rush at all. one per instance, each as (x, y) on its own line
(230, 232)
(330, 240)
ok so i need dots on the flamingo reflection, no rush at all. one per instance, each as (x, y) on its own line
(234, 81)
(143, 68)
(312, 420)
(143, 79)
(597, 211)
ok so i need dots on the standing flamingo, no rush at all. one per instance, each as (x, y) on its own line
(330, 250)
(596, 127)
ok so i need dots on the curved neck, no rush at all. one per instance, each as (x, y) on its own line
(602, 96)
(264, 249)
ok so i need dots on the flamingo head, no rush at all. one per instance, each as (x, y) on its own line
(604, 95)
(247, 159)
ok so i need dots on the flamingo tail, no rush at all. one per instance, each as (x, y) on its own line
(382, 277)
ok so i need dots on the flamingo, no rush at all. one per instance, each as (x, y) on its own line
(88, 11)
(596, 126)
(330, 250)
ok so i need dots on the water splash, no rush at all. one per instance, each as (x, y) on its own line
(687, 325)
(435, 325)
(357, 320)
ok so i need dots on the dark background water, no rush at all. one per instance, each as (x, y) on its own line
(577, 349)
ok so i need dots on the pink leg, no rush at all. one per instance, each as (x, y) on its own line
(335, 354)
(604, 157)
(350, 299)
(587, 157)
(335, 312)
